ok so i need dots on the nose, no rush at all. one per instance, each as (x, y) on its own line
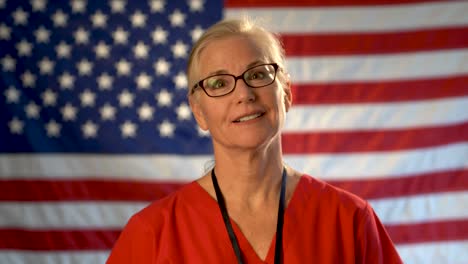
(243, 92)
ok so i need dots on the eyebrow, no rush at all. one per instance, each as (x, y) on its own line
(250, 65)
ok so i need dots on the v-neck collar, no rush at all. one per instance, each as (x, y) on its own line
(292, 215)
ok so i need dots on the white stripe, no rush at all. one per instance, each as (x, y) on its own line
(422, 208)
(352, 19)
(105, 215)
(76, 166)
(413, 65)
(369, 116)
(168, 168)
(53, 257)
(454, 252)
(67, 215)
(382, 164)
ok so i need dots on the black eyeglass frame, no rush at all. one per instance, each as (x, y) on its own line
(199, 84)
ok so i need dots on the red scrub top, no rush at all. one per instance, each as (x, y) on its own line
(322, 224)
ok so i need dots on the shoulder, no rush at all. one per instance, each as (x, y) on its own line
(165, 207)
(159, 216)
(322, 192)
(141, 239)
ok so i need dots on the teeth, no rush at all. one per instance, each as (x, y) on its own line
(247, 118)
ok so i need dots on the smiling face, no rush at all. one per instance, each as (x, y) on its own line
(247, 117)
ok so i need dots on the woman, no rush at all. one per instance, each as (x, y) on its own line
(251, 207)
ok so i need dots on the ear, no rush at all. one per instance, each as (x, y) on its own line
(197, 112)
(287, 93)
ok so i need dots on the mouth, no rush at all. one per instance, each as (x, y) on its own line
(248, 117)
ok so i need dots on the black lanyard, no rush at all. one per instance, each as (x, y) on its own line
(227, 222)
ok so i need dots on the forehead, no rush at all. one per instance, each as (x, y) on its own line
(230, 54)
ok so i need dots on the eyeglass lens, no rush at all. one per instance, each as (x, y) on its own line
(258, 76)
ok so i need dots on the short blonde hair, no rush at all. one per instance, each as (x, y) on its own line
(267, 41)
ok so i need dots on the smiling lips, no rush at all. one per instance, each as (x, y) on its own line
(248, 117)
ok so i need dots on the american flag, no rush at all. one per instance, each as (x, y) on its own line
(94, 122)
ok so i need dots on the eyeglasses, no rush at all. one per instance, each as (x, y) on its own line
(223, 84)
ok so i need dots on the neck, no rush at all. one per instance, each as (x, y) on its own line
(250, 178)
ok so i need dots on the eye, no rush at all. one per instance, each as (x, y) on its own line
(216, 83)
(257, 75)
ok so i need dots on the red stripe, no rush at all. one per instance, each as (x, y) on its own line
(316, 3)
(58, 239)
(94, 190)
(379, 91)
(84, 190)
(373, 43)
(105, 239)
(434, 182)
(373, 141)
(429, 232)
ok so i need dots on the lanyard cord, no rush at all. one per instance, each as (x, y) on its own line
(227, 222)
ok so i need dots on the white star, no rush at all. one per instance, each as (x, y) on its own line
(66, 81)
(196, 5)
(46, 66)
(125, 98)
(32, 110)
(102, 50)
(53, 128)
(63, 50)
(138, 19)
(159, 35)
(85, 67)
(12, 95)
(16, 126)
(105, 81)
(117, 6)
(166, 129)
(8, 63)
(196, 33)
(5, 32)
(177, 18)
(162, 66)
(38, 5)
(164, 98)
(123, 67)
(179, 49)
(81, 36)
(157, 6)
(143, 81)
(69, 112)
(120, 36)
(107, 112)
(128, 129)
(78, 6)
(145, 112)
(2, 3)
(20, 17)
(49, 98)
(140, 50)
(42, 35)
(183, 112)
(89, 129)
(180, 80)
(28, 79)
(60, 18)
(99, 20)
(24, 48)
(87, 98)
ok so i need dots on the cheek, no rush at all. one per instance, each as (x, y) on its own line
(213, 117)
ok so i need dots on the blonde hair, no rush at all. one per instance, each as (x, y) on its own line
(266, 40)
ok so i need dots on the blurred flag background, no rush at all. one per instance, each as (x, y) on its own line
(94, 123)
